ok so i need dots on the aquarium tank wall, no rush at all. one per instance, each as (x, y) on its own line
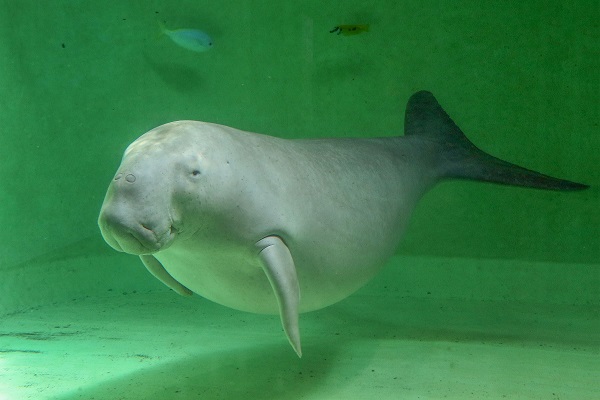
(493, 292)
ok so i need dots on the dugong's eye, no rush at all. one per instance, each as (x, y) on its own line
(196, 172)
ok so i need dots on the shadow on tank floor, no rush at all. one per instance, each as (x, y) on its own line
(376, 344)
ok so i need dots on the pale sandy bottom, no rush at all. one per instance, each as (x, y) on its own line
(374, 345)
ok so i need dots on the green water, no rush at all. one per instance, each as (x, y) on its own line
(79, 81)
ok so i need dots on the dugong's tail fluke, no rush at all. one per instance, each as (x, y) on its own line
(461, 159)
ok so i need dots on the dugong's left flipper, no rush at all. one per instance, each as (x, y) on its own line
(156, 269)
(280, 269)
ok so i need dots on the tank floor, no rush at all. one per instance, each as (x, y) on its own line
(158, 345)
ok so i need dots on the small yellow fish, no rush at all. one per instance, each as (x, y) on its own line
(350, 29)
(191, 39)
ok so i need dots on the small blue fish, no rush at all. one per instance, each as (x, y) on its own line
(347, 30)
(191, 39)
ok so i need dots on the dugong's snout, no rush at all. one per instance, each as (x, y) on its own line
(130, 236)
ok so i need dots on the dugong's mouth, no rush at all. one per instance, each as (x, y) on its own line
(139, 239)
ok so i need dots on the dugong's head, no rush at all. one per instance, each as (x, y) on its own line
(164, 177)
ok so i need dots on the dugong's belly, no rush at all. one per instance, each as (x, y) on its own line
(229, 276)
(234, 277)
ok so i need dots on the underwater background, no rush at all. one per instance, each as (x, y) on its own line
(494, 291)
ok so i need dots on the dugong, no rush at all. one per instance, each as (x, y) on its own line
(269, 225)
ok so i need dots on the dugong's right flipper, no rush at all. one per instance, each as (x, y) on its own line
(156, 269)
(280, 269)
